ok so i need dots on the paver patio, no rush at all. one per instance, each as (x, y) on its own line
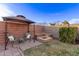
(17, 49)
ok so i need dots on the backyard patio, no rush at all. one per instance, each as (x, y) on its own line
(17, 49)
(43, 40)
(14, 34)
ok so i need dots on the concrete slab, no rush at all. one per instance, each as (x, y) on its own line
(17, 49)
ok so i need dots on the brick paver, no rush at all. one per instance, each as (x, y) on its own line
(17, 49)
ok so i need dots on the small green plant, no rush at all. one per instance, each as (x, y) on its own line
(68, 34)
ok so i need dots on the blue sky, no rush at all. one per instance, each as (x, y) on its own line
(43, 12)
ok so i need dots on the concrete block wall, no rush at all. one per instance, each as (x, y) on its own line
(17, 30)
(36, 29)
(53, 31)
(2, 31)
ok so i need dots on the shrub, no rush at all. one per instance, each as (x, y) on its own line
(68, 34)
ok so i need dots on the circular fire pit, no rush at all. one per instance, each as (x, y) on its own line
(44, 38)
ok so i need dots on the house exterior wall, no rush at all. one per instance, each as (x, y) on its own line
(18, 29)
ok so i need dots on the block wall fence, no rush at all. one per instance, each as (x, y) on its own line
(17, 29)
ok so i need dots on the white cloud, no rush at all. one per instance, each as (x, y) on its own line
(5, 11)
(74, 21)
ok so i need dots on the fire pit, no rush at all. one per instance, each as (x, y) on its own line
(44, 38)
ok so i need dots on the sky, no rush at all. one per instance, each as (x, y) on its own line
(43, 12)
